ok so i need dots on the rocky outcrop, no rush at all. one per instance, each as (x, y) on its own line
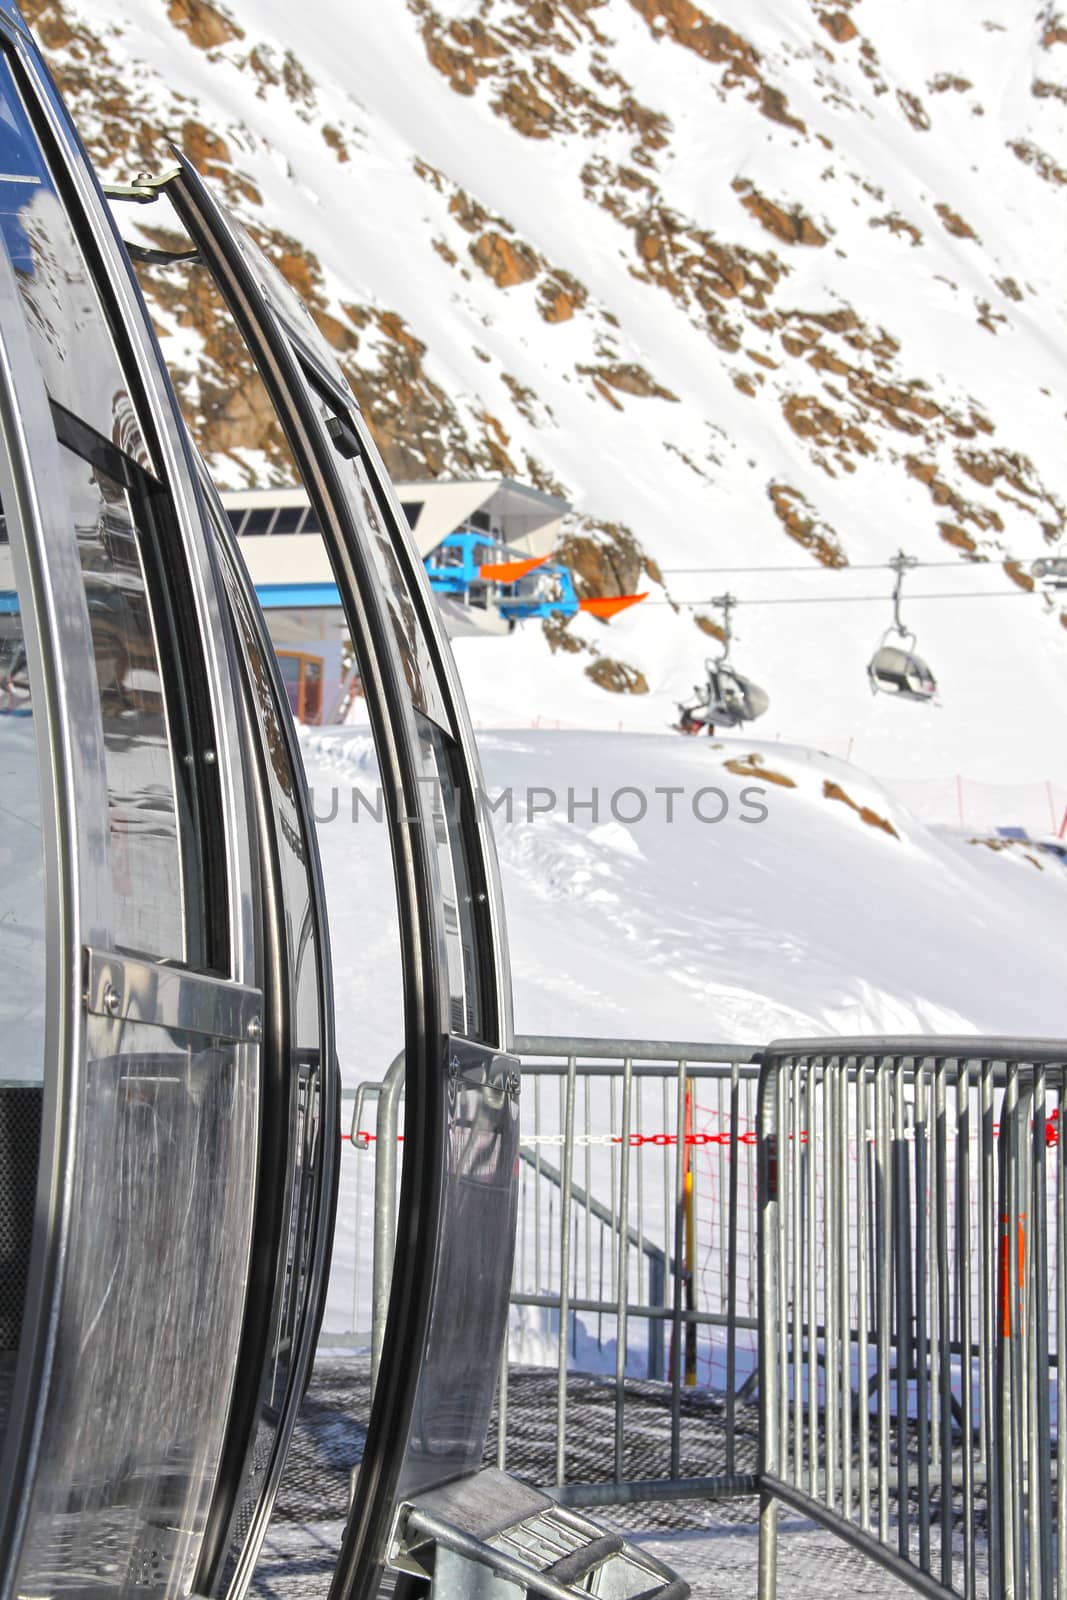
(834, 791)
(617, 677)
(627, 378)
(839, 25)
(506, 261)
(1042, 163)
(790, 225)
(205, 25)
(802, 523)
(953, 223)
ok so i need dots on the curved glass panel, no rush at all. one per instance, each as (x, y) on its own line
(143, 1232)
(120, 514)
(22, 969)
(295, 1151)
(154, 1295)
(63, 310)
(22, 893)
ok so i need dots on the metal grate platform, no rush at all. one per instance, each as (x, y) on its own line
(711, 1545)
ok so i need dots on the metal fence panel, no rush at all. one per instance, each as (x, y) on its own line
(910, 1245)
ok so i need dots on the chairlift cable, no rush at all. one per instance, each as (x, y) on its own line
(850, 566)
(853, 599)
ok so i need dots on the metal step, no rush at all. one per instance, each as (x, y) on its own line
(489, 1537)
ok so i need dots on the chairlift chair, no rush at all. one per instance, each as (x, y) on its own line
(1050, 572)
(897, 669)
(729, 699)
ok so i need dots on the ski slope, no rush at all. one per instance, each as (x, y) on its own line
(809, 921)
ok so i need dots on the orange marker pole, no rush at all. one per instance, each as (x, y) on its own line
(690, 1246)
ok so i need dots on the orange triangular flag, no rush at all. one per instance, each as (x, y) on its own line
(609, 605)
(509, 571)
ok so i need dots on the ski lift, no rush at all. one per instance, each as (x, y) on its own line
(1050, 572)
(728, 698)
(896, 668)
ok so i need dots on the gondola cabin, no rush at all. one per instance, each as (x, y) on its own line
(169, 1083)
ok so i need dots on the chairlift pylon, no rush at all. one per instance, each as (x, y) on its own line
(728, 699)
(897, 669)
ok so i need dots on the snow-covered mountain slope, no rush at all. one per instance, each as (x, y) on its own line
(770, 284)
(721, 890)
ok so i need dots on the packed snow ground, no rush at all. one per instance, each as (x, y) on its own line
(808, 920)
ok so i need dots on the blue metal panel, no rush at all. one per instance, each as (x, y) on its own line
(298, 596)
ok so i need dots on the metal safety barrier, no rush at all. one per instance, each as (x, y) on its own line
(635, 1243)
(912, 1237)
(637, 1230)
(867, 1234)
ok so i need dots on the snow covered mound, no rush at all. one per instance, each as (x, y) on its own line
(760, 284)
(709, 890)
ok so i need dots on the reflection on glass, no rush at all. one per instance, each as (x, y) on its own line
(457, 896)
(419, 669)
(22, 971)
(151, 1316)
(294, 1135)
(145, 860)
(70, 333)
(458, 1376)
(103, 458)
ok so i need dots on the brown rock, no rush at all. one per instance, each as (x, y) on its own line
(753, 766)
(688, 26)
(334, 331)
(506, 261)
(1040, 160)
(800, 522)
(809, 418)
(897, 225)
(954, 223)
(557, 306)
(956, 536)
(205, 24)
(834, 791)
(617, 677)
(914, 110)
(629, 378)
(335, 139)
(792, 227)
(208, 151)
(839, 25)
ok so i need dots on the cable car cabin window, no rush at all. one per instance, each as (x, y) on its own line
(467, 937)
(123, 522)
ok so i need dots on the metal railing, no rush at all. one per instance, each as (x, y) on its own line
(659, 1267)
(635, 1249)
(912, 1239)
(871, 1233)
